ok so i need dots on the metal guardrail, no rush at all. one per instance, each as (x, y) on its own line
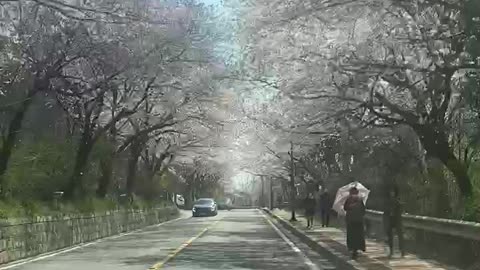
(457, 228)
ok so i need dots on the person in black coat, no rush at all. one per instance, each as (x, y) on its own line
(392, 219)
(309, 209)
(325, 207)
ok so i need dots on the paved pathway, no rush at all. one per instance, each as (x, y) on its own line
(236, 240)
(375, 257)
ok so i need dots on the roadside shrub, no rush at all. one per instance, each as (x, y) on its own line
(94, 205)
(38, 169)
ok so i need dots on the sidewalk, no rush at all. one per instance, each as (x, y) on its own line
(333, 240)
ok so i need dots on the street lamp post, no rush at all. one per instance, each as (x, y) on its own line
(271, 193)
(292, 184)
(263, 191)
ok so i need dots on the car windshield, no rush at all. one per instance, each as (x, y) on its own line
(204, 201)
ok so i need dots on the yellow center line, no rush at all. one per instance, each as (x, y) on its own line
(174, 253)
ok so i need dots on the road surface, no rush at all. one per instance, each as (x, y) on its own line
(238, 239)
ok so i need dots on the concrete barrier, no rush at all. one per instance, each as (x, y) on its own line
(457, 228)
(453, 242)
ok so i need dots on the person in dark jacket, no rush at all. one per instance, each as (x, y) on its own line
(325, 207)
(309, 209)
(392, 219)
(355, 210)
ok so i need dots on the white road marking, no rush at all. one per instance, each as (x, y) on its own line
(306, 260)
(69, 249)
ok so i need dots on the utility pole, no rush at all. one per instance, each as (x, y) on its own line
(292, 183)
(263, 191)
(271, 193)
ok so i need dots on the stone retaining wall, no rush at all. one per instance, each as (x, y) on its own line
(22, 238)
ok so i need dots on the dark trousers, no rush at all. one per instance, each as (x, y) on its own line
(396, 225)
(325, 213)
(309, 214)
(309, 221)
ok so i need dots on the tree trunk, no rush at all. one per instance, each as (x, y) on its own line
(106, 165)
(439, 188)
(436, 144)
(459, 170)
(194, 195)
(75, 187)
(150, 192)
(14, 128)
(104, 181)
(187, 196)
(132, 167)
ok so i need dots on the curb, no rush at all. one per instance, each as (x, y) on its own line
(339, 260)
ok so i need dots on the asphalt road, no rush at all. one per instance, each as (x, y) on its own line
(238, 239)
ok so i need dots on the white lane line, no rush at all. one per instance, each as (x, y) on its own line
(79, 246)
(306, 260)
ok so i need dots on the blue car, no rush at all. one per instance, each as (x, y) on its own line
(204, 207)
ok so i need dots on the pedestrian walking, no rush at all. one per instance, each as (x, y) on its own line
(392, 220)
(325, 207)
(309, 209)
(355, 212)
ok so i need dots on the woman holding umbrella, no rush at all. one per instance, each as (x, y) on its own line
(355, 212)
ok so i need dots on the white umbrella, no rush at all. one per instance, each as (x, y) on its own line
(342, 195)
